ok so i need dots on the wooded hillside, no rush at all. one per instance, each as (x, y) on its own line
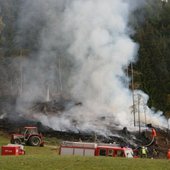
(153, 65)
(154, 56)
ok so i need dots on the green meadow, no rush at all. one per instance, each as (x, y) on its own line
(47, 158)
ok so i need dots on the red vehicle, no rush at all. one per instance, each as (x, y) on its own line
(28, 136)
(12, 149)
(114, 151)
(94, 149)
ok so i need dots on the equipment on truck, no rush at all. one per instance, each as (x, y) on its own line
(94, 149)
(77, 148)
(28, 136)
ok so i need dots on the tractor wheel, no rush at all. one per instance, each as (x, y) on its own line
(34, 141)
(16, 141)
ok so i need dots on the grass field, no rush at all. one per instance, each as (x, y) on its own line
(47, 158)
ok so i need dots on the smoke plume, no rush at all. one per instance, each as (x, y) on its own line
(81, 49)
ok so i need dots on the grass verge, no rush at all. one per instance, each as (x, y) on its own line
(47, 158)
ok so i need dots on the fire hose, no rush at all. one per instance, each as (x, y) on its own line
(153, 138)
(150, 142)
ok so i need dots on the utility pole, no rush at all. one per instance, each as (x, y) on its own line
(139, 97)
(145, 114)
(59, 71)
(21, 75)
(168, 126)
(133, 97)
(48, 93)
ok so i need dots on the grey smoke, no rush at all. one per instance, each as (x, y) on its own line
(81, 49)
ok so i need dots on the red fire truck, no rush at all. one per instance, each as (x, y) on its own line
(94, 149)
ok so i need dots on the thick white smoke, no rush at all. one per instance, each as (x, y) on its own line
(84, 49)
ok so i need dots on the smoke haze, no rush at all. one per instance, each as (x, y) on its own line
(82, 49)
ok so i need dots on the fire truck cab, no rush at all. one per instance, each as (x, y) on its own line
(114, 151)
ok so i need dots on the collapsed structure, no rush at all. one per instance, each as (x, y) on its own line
(56, 106)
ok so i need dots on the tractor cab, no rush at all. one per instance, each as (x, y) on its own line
(27, 131)
(28, 136)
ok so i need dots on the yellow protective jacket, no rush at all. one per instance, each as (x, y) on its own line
(143, 151)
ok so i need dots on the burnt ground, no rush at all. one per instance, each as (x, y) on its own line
(123, 137)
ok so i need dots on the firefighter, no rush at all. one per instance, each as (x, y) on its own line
(143, 152)
(155, 153)
(168, 154)
(154, 133)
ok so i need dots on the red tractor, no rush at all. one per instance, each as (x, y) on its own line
(28, 136)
